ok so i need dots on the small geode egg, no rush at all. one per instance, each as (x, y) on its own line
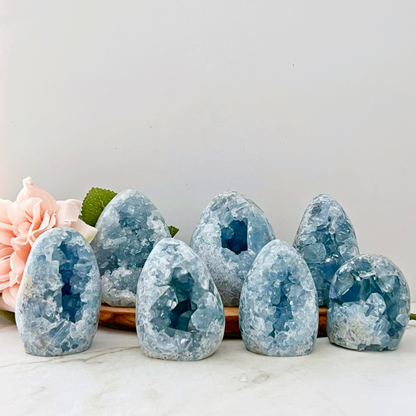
(279, 304)
(369, 304)
(179, 313)
(58, 302)
(229, 234)
(326, 240)
(128, 228)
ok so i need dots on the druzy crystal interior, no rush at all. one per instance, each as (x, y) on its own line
(128, 229)
(182, 284)
(228, 236)
(179, 312)
(326, 240)
(58, 302)
(234, 237)
(279, 304)
(369, 304)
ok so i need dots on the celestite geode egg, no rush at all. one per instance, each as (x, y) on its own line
(229, 234)
(128, 228)
(326, 240)
(58, 302)
(369, 304)
(279, 304)
(179, 313)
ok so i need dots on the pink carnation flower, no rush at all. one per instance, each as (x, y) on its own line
(21, 223)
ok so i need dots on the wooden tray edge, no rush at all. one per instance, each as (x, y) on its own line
(125, 319)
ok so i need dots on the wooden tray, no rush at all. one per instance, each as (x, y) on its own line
(125, 318)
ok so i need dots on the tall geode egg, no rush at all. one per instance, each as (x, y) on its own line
(58, 302)
(279, 303)
(369, 304)
(229, 234)
(326, 240)
(128, 228)
(179, 312)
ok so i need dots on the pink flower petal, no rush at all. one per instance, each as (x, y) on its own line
(32, 209)
(4, 206)
(22, 237)
(5, 251)
(21, 223)
(6, 233)
(4, 281)
(84, 229)
(68, 212)
(47, 223)
(4, 267)
(16, 215)
(17, 265)
(31, 191)
(7, 300)
(13, 290)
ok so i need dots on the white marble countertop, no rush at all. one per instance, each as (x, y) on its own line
(115, 378)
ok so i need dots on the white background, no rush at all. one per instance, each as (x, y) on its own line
(281, 100)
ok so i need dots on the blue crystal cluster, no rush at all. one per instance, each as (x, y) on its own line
(128, 228)
(279, 303)
(326, 240)
(58, 302)
(369, 304)
(228, 236)
(179, 312)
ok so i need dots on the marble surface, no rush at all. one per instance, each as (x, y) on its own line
(115, 378)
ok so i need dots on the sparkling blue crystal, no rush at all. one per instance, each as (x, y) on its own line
(369, 304)
(58, 303)
(326, 240)
(228, 236)
(279, 303)
(179, 312)
(128, 229)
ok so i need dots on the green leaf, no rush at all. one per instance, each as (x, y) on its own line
(94, 203)
(173, 230)
(8, 315)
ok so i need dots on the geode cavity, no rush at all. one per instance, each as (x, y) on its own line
(326, 240)
(128, 228)
(369, 304)
(229, 234)
(279, 304)
(179, 313)
(58, 302)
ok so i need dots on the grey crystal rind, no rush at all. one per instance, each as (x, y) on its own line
(326, 240)
(128, 228)
(58, 303)
(227, 268)
(369, 304)
(278, 313)
(157, 298)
